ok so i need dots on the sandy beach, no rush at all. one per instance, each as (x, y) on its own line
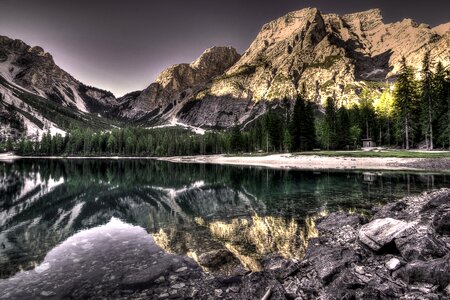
(317, 162)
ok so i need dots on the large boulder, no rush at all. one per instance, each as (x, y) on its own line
(436, 271)
(442, 223)
(328, 261)
(381, 232)
(420, 246)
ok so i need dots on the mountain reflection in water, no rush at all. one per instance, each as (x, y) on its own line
(190, 209)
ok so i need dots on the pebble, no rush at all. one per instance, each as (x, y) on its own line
(178, 285)
(393, 264)
(218, 292)
(182, 269)
(47, 293)
(173, 277)
(234, 289)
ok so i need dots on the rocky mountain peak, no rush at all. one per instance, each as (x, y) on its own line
(442, 29)
(212, 62)
(34, 70)
(36, 50)
(331, 55)
(366, 20)
(178, 83)
(216, 59)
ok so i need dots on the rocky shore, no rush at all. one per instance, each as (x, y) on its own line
(402, 251)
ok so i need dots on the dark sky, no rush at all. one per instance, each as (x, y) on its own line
(121, 46)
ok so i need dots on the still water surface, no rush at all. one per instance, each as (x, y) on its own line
(65, 221)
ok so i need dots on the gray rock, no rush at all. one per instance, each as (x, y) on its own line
(329, 261)
(218, 292)
(442, 223)
(420, 246)
(393, 264)
(436, 271)
(178, 285)
(338, 220)
(182, 269)
(381, 232)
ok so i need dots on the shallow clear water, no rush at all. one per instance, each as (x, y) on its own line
(61, 209)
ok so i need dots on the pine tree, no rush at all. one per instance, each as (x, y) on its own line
(343, 127)
(275, 129)
(441, 94)
(330, 121)
(384, 109)
(296, 126)
(236, 139)
(405, 102)
(310, 127)
(427, 109)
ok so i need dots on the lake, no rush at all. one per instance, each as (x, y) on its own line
(79, 224)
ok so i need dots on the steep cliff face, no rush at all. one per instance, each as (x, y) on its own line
(330, 55)
(176, 84)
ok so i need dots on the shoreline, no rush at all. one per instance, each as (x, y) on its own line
(283, 161)
(317, 162)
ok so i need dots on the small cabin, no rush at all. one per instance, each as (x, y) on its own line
(368, 143)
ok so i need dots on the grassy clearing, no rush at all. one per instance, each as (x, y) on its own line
(384, 153)
(377, 153)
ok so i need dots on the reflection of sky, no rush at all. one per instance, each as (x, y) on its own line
(105, 256)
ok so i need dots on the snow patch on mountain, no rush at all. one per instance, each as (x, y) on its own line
(174, 122)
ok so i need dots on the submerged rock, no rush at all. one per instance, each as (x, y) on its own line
(216, 258)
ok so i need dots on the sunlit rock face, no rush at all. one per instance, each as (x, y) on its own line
(328, 54)
(177, 84)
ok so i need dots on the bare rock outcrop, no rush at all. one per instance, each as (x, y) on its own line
(35, 70)
(330, 55)
(178, 83)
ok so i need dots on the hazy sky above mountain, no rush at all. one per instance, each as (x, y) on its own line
(122, 46)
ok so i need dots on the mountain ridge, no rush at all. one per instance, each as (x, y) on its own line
(329, 54)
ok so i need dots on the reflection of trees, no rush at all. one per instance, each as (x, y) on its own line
(249, 239)
(42, 202)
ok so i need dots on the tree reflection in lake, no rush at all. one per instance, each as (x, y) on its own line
(190, 209)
